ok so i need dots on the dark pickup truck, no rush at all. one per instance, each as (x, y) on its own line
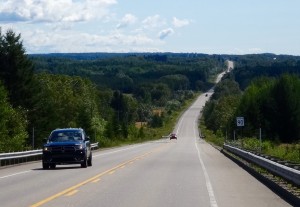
(67, 146)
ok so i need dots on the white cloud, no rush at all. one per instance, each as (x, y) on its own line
(165, 33)
(236, 51)
(48, 26)
(180, 23)
(53, 10)
(128, 19)
(255, 50)
(39, 41)
(153, 22)
(62, 26)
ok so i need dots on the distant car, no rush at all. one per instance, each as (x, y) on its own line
(173, 136)
(67, 146)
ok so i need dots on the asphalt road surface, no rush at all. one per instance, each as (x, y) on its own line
(186, 172)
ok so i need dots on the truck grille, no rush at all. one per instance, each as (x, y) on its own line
(63, 149)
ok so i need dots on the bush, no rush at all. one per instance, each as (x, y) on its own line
(287, 152)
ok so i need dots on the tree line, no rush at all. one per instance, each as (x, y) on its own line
(127, 73)
(104, 95)
(265, 93)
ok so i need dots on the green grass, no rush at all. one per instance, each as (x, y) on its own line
(151, 133)
(210, 137)
(170, 121)
(286, 152)
(289, 152)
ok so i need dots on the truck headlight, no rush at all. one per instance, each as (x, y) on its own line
(47, 149)
(79, 147)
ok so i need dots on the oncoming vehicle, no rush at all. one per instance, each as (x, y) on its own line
(67, 146)
(173, 136)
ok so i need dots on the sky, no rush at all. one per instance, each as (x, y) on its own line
(188, 26)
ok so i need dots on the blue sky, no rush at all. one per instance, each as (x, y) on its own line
(201, 26)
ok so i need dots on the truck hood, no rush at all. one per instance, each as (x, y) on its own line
(67, 143)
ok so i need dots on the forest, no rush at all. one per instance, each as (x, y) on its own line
(121, 97)
(116, 98)
(264, 90)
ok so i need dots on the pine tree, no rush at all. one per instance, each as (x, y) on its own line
(16, 70)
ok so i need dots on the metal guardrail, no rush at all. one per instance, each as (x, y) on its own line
(25, 156)
(94, 145)
(16, 155)
(285, 172)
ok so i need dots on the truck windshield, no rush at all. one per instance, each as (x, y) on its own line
(64, 136)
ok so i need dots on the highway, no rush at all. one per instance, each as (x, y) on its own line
(186, 172)
(169, 173)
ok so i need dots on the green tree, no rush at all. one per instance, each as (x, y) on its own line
(157, 121)
(12, 125)
(286, 120)
(255, 105)
(66, 101)
(274, 106)
(218, 115)
(220, 111)
(160, 94)
(225, 88)
(176, 82)
(125, 114)
(16, 70)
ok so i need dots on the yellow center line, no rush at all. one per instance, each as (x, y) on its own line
(112, 172)
(71, 193)
(92, 179)
(96, 180)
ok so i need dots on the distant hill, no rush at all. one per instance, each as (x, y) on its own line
(102, 55)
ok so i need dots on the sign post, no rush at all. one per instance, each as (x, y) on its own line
(240, 122)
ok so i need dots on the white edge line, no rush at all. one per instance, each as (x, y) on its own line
(15, 174)
(212, 198)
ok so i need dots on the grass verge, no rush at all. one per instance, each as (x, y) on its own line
(152, 133)
(285, 152)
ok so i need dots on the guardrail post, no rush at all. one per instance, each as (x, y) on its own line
(259, 140)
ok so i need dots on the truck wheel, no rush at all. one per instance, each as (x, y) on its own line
(90, 160)
(45, 166)
(84, 163)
